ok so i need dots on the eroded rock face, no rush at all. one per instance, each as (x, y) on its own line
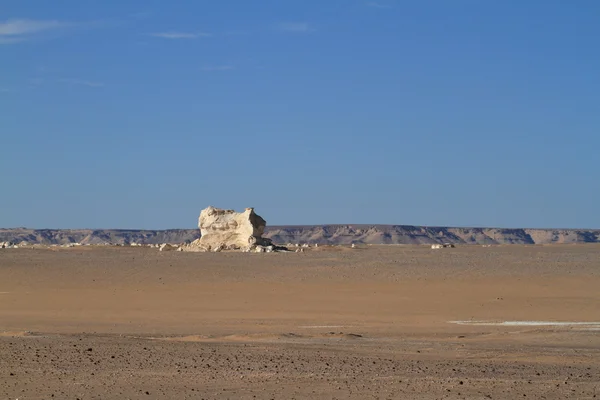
(229, 230)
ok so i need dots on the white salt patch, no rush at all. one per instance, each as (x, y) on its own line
(325, 326)
(529, 323)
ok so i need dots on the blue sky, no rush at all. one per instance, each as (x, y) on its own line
(138, 114)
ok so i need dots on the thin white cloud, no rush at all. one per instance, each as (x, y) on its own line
(294, 27)
(17, 27)
(378, 5)
(180, 35)
(21, 30)
(82, 82)
(219, 68)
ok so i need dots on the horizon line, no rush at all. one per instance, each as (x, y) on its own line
(307, 226)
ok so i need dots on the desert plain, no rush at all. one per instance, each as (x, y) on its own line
(375, 322)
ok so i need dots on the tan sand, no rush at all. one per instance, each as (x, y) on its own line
(340, 323)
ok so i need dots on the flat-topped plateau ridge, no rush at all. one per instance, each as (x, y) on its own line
(321, 234)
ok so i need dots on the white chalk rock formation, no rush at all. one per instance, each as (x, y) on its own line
(228, 230)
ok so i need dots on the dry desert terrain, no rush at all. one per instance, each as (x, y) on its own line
(376, 322)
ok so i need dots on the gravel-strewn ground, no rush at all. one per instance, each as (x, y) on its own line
(329, 323)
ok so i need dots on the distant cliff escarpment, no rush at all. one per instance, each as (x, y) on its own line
(322, 234)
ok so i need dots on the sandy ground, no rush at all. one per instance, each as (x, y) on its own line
(375, 322)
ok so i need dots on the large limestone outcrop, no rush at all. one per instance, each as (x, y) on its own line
(229, 230)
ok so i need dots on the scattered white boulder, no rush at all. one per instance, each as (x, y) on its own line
(264, 249)
(442, 246)
(167, 247)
